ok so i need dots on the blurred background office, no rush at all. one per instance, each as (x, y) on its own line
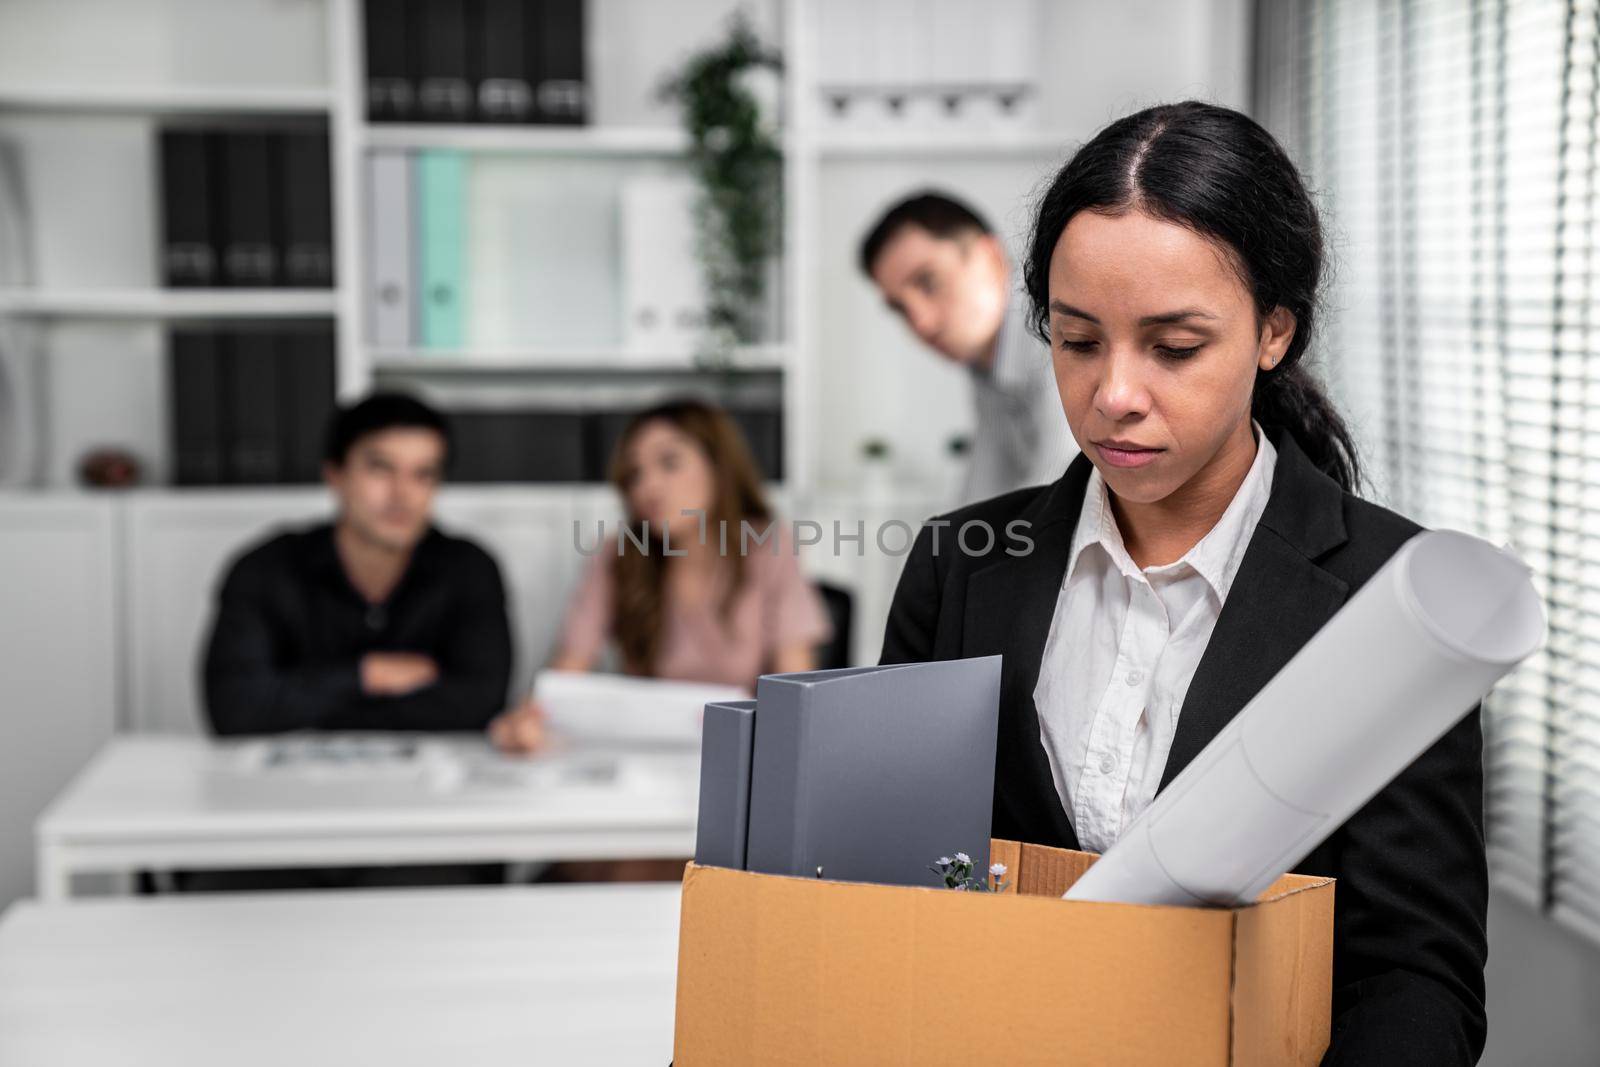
(219, 218)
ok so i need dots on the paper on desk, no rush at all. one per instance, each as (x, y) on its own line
(614, 707)
(1396, 668)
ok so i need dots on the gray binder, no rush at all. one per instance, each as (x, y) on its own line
(727, 733)
(872, 774)
(391, 299)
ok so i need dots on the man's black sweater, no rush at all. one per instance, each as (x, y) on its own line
(291, 630)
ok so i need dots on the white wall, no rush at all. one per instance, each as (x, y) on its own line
(116, 44)
(1544, 991)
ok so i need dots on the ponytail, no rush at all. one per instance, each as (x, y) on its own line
(1288, 398)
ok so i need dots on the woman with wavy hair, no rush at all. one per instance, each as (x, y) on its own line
(702, 584)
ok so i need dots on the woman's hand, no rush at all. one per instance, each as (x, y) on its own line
(521, 729)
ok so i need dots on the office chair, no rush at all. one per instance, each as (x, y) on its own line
(841, 606)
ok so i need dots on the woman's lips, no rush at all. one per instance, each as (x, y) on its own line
(1127, 457)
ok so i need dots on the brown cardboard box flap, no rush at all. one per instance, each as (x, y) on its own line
(776, 970)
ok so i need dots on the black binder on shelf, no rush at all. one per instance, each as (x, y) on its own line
(305, 195)
(305, 402)
(195, 385)
(444, 87)
(391, 92)
(763, 431)
(253, 446)
(517, 446)
(250, 254)
(189, 253)
(561, 88)
(602, 430)
(503, 46)
(761, 426)
(250, 407)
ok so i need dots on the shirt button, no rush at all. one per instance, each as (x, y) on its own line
(1108, 763)
(376, 618)
(1135, 677)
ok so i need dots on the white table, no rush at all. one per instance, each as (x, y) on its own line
(161, 803)
(505, 975)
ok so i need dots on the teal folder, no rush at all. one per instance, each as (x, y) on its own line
(441, 203)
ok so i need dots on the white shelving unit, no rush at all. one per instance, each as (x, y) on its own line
(528, 140)
(604, 144)
(164, 100)
(601, 362)
(848, 369)
(168, 304)
(958, 145)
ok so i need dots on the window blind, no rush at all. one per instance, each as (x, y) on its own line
(1452, 146)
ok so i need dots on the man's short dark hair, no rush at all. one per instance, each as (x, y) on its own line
(376, 413)
(939, 214)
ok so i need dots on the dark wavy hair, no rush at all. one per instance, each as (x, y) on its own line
(639, 593)
(1218, 173)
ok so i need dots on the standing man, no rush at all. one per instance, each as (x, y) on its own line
(376, 621)
(941, 268)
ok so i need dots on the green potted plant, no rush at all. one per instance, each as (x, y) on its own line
(735, 157)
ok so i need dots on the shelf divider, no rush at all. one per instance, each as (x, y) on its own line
(164, 304)
(549, 140)
(164, 100)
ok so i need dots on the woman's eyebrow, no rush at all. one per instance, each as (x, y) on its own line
(1171, 317)
(1164, 319)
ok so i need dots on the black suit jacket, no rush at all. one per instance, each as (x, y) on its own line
(1412, 892)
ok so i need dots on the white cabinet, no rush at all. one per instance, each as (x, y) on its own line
(58, 659)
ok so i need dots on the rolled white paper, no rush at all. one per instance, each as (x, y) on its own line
(1396, 668)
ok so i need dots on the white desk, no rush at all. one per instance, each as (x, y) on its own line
(161, 803)
(509, 975)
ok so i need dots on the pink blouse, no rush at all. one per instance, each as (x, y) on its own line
(776, 608)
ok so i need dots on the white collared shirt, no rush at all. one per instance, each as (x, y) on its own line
(1123, 646)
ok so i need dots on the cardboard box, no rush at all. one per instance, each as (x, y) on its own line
(775, 970)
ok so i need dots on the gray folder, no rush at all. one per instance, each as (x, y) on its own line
(391, 299)
(726, 737)
(873, 773)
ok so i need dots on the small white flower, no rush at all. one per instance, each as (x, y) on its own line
(963, 857)
(944, 861)
(997, 869)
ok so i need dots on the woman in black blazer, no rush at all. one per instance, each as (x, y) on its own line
(1174, 269)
